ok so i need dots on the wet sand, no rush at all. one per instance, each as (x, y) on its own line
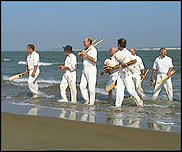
(26, 132)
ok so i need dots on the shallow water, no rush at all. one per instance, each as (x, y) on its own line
(160, 115)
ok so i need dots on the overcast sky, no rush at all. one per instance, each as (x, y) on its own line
(54, 24)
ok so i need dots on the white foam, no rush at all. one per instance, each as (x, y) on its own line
(165, 123)
(22, 62)
(101, 91)
(42, 94)
(156, 105)
(6, 59)
(40, 63)
(5, 77)
(45, 64)
(48, 81)
(23, 80)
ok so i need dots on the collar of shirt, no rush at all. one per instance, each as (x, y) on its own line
(69, 55)
(163, 57)
(32, 53)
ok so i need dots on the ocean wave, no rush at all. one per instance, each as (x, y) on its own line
(45, 64)
(19, 84)
(22, 62)
(5, 77)
(165, 123)
(25, 79)
(6, 59)
(48, 81)
(40, 63)
(25, 83)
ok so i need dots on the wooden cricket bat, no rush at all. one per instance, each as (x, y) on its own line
(93, 45)
(17, 76)
(94, 40)
(142, 79)
(172, 72)
(111, 86)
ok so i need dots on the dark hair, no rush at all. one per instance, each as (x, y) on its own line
(122, 42)
(31, 46)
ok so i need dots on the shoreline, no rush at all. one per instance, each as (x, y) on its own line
(88, 117)
(28, 132)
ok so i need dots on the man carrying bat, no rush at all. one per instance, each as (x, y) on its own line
(113, 71)
(138, 73)
(32, 66)
(163, 65)
(127, 64)
(89, 72)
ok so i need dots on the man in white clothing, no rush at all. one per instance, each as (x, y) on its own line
(138, 73)
(125, 75)
(89, 72)
(113, 73)
(32, 66)
(69, 77)
(163, 65)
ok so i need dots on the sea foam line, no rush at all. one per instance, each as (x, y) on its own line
(6, 59)
(40, 63)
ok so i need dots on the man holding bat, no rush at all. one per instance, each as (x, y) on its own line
(163, 65)
(32, 66)
(89, 72)
(138, 73)
(113, 71)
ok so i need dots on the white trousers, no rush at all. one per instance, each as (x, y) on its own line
(89, 75)
(137, 79)
(167, 86)
(68, 79)
(125, 80)
(32, 81)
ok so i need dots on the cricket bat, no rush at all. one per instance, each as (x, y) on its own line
(111, 86)
(172, 72)
(142, 79)
(17, 76)
(94, 45)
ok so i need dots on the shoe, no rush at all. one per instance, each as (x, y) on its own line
(86, 103)
(34, 96)
(61, 100)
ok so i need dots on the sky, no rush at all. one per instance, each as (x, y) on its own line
(54, 24)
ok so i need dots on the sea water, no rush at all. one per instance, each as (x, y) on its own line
(161, 114)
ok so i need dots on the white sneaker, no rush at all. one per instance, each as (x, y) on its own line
(61, 100)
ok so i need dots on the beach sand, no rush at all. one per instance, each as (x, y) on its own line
(25, 132)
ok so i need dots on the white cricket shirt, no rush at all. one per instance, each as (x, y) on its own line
(33, 60)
